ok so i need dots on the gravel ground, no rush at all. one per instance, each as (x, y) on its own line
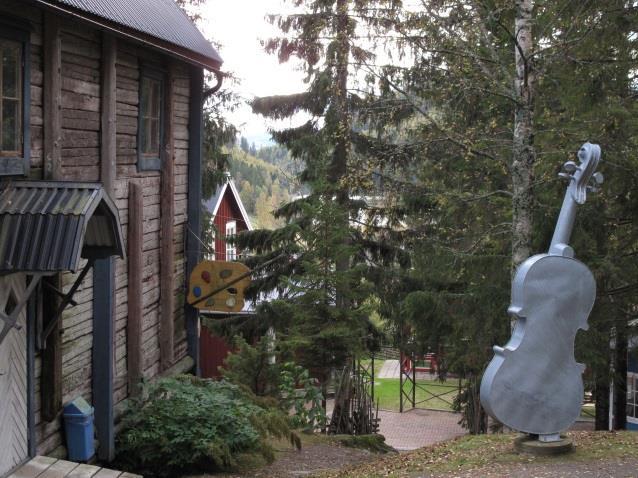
(311, 459)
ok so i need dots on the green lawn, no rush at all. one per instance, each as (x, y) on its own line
(386, 391)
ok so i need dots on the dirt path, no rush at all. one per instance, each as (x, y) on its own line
(311, 459)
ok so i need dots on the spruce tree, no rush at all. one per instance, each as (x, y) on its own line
(322, 316)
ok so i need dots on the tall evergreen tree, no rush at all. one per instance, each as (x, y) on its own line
(323, 315)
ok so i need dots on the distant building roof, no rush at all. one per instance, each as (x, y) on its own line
(47, 226)
(212, 204)
(161, 23)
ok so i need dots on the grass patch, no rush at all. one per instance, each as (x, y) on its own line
(386, 391)
(475, 452)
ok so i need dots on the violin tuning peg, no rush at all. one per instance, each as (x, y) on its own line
(598, 178)
(570, 166)
(593, 189)
(565, 176)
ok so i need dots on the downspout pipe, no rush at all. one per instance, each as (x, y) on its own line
(219, 76)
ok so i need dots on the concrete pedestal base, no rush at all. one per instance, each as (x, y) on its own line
(532, 445)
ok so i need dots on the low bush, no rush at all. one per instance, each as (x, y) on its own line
(185, 425)
(289, 384)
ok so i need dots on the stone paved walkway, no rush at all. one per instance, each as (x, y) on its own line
(418, 428)
(389, 369)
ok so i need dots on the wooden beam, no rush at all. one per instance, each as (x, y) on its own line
(51, 378)
(34, 311)
(104, 271)
(52, 98)
(108, 118)
(167, 208)
(104, 355)
(134, 325)
(195, 126)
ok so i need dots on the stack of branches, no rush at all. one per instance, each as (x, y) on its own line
(354, 410)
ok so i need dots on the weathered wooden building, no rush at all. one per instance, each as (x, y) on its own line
(102, 114)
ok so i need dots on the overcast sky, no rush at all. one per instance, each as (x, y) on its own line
(239, 25)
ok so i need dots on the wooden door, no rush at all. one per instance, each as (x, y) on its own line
(13, 378)
(212, 353)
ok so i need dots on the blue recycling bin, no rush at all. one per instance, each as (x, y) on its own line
(78, 425)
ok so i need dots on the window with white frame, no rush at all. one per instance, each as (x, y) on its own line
(632, 397)
(231, 249)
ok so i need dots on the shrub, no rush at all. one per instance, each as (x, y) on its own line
(299, 394)
(184, 425)
(251, 367)
(288, 383)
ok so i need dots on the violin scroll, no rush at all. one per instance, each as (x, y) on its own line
(583, 177)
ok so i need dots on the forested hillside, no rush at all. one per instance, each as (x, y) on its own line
(265, 178)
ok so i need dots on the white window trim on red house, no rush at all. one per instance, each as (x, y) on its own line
(231, 249)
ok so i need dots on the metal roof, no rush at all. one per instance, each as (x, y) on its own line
(163, 20)
(49, 226)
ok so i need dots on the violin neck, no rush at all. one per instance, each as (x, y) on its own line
(564, 225)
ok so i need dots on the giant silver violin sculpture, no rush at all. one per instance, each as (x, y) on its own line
(534, 384)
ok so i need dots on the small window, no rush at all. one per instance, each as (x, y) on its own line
(150, 121)
(14, 102)
(231, 250)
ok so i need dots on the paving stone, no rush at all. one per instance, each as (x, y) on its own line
(418, 428)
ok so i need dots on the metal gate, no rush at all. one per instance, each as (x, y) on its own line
(13, 378)
(414, 393)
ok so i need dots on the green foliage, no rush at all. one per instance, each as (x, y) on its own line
(298, 392)
(184, 425)
(288, 384)
(263, 186)
(468, 402)
(251, 367)
(442, 132)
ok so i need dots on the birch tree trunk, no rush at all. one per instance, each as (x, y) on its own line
(523, 154)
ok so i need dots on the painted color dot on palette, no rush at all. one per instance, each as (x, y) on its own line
(206, 276)
(197, 291)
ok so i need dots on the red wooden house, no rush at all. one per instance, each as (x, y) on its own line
(229, 218)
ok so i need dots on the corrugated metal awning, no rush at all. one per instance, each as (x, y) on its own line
(48, 226)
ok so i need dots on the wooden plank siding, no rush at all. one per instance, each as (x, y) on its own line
(81, 151)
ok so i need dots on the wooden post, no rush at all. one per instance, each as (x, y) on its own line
(193, 229)
(104, 270)
(167, 208)
(109, 108)
(52, 99)
(134, 325)
(51, 379)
